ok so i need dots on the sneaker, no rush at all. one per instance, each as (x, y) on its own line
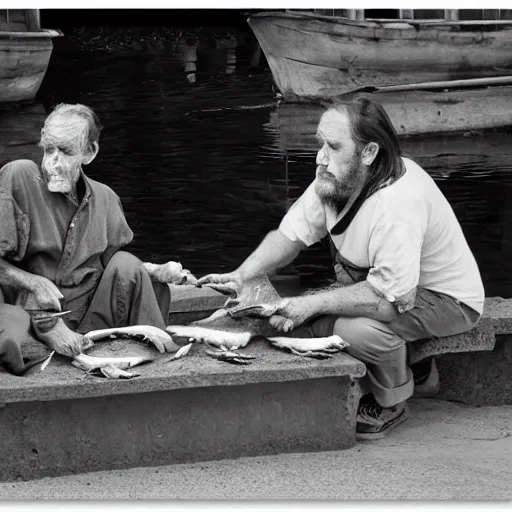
(375, 421)
(427, 385)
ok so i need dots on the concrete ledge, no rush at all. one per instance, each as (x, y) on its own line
(40, 439)
(496, 320)
(64, 421)
(499, 310)
(475, 368)
(480, 338)
(189, 303)
(62, 381)
(189, 298)
(478, 378)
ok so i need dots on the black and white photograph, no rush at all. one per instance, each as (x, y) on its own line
(256, 254)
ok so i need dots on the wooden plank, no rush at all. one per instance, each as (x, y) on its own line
(446, 84)
(433, 23)
(42, 34)
(506, 19)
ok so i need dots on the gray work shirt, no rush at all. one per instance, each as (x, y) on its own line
(46, 234)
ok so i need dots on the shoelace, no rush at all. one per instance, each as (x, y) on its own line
(372, 409)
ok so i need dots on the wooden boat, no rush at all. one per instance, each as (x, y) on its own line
(295, 125)
(431, 75)
(25, 51)
(440, 107)
(313, 56)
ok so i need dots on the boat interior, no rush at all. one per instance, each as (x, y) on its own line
(458, 19)
(19, 20)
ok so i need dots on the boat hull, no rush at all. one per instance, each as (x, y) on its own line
(413, 112)
(24, 60)
(314, 57)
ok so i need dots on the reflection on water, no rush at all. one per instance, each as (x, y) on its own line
(205, 170)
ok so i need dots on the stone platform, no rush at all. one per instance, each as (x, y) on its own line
(63, 421)
(475, 368)
(482, 377)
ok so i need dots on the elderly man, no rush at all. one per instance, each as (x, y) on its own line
(404, 269)
(60, 239)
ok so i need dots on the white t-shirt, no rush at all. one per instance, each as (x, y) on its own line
(406, 234)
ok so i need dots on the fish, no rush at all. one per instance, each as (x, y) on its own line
(113, 372)
(198, 334)
(245, 316)
(160, 338)
(182, 352)
(321, 347)
(91, 363)
(47, 361)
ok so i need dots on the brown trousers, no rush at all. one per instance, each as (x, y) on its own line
(125, 295)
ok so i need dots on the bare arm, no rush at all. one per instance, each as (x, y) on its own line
(34, 292)
(275, 252)
(357, 300)
(11, 276)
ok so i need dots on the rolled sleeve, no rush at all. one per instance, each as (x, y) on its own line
(395, 255)
(305, 220)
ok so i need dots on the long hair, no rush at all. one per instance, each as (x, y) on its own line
(369, 122)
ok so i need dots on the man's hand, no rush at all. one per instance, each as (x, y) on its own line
(170, 272)
(293, 312)
(232, 280)
(40, 293)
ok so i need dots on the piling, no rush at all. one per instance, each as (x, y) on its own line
(255, 54)
(230, 43)
(188, 56)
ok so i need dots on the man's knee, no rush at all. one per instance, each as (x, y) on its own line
(14, 322)
(14, 331)
(125, 264)
(369, 339)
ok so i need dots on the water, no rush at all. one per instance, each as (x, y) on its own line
(204, 171)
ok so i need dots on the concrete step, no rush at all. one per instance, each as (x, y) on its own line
(475, 368)
(63, 421)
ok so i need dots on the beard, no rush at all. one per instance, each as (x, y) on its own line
(60, 181)
(335, 192)
(58, 185)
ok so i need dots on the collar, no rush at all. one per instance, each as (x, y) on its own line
(345, 217)
(83, 190)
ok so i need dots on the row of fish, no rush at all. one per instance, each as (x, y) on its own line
(222, 345)
(244, 316)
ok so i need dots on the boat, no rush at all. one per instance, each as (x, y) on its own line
(25, 50)
(316, 56)
(434, 108)
(431, 75)
(295, 126)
